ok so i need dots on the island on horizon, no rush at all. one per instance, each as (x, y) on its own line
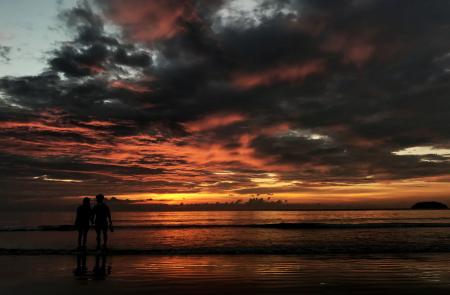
(433, 205)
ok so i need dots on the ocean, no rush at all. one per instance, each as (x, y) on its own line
(224, 252)
(237, 232)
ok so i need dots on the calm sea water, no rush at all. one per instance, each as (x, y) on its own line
(241, 232)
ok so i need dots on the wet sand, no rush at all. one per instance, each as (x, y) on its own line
(226, 274)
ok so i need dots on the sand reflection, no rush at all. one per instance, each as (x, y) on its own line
(101, 268)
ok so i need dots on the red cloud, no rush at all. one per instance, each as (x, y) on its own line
(354, 49)
(94, 69)
(129, 86)
(283, 73)
(150, 20)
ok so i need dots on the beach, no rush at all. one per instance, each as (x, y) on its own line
(228, 274)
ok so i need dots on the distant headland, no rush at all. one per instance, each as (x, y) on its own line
(429, 206)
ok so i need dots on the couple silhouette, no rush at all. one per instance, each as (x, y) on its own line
(99, 216)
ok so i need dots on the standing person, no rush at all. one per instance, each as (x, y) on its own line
(102, 220)
(82, 222)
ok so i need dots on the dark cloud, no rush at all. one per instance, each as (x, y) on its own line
(4, 53)
(93, 51)
(71, 62)
(314, 91)
(139, 59)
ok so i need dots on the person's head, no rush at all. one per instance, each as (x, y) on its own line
(99, 198)
(86, 202)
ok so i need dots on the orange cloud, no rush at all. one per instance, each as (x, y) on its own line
(97, 123)
(39, 126)
(275, 129)
(181, 162)
(194, 164)
(285, 73)
(213, 121)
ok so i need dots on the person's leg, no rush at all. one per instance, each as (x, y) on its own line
(77, 270)
(85, 232)
(80, 234)
(97, 264)
(98, 232)
(105, 236)
(83, 263)
(103, 266)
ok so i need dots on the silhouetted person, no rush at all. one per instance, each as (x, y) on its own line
(102, 220)
(82, 222)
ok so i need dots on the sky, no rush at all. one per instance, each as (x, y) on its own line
(308, 101)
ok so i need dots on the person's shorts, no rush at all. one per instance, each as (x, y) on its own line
(101, 227)
(82, 227)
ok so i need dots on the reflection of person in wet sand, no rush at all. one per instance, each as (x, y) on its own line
(99, 272)
(82, 222)
(102, 220)
(81, 268)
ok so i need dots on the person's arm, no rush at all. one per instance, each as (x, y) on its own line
(108, 212)
(93, 214)
(109, 216)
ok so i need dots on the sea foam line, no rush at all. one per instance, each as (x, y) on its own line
(286, 226)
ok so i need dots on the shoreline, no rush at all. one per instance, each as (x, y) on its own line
(70, 210)
(220, 274)
(219, 251)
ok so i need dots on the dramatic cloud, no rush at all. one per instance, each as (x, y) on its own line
(235, 97)
(4, 53)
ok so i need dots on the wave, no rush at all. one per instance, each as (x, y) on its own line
(286, 226)
(319, 220)
(241, 250)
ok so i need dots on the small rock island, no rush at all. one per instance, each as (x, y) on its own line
(429, 206)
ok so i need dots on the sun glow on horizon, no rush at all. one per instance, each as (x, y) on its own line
(400, 190)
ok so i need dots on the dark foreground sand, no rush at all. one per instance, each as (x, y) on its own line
(232, 274)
